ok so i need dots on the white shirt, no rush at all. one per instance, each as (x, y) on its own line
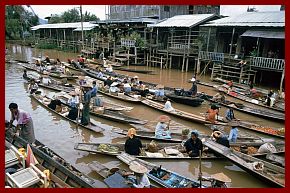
(144, 182)
(109, 69)
(127, 85)
(168, 106)
(114, 89)
(73, 101)
(46, 80)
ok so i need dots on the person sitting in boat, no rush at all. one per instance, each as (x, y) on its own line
(136, 80)
(55, 104)
(218, 180)
(74, 64)
(94, 89)
(142, 180)
(42, 68)
(25, 76)
(100, 74)
(218, 137)
(73, 102)
(81, 61)
(108, 81)
(45, 79)
(230, 84)
(230, 114)
(167, 105)
(82, 80)
(37, 62)
(233, 136)
(212, 113)
(109, 68)
(114, 88)
(127, 87)
(219, 97)
(253, 92)
(133, 144)
(33, 86)
(47, 60)
(162, 129)
(193, 145)
(160, 92)
(58, 62)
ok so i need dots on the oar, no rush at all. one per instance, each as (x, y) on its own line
(200, 173)
(79, 107)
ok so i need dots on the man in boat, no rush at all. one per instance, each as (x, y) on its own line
(47, 60)
(142, 180)
(100, 74)
(25, 76)
(24, 127)
(86, 104)
(45, 79)
(81, 61)
(136, 81)
(219, 97)
(94, 90)
(133, 144)
(193, 90)
(73, 103)
(167, 105)
(115, 87)
(230, 113)
(108, 81)
(160, 92)
(82, 80)
(33, 86)
(193, 145)
(230, 84)
(218, 180)
(212, 113)
(218, 137)
(233, 132)
(162, 129)
(127, 87)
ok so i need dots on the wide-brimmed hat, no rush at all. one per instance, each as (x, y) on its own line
(72, 93)
(221, 177)
(81, 77)
(131, 132)
(160, 86)
(137, 168)
(163, 118)
(216, 134)
(193, 80)
(135, 77)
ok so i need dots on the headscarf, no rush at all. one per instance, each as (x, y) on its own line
(131, 133)
(195, 132)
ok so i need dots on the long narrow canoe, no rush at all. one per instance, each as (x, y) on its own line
(92, 127)
(61, 172)
(90, 73)
(157, 174)
(177, 137)
(270, 173)
(120, 96)
(268, 114)
(135, 70)
(177, 113)
(192, 101)
(164, 151)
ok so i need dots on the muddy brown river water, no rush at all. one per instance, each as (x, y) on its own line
(60, 135)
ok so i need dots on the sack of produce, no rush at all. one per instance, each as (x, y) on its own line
(153, 147)
(267, 148)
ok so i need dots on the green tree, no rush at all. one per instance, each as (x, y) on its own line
(55, 19)
(88, 17)
(71, 15)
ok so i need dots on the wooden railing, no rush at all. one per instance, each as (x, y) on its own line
(214, 56)
(268, 63)
(127, 42)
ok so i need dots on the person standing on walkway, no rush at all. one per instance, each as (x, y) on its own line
(24, 127)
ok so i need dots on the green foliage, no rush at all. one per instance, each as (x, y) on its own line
(18, 21)
(140, 42)
(71, 16)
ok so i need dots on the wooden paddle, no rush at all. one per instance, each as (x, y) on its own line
(79, 107)
(200, 173)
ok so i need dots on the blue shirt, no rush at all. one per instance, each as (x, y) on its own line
(160, 92)
(94, 91)
(233, 135)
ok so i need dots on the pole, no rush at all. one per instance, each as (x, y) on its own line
(232, 40)
(200, 173)
(79, 107)
(81, 11)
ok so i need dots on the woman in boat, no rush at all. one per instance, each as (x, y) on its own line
(133, 144)
(32, 87)
(45, 79)
(218, 180)
(233, 133)
(55, 104)
(167, 105)
(73, 102)
(142, 180)
(100, 74)
(160, 92)
(127, 87)
(162, 129)
(193, 145)
(114, 88)
(193, 90)
(220, 138)
(25, 76)
(24, 127)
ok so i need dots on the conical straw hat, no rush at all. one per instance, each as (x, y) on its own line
(138, 168)
(221, 177)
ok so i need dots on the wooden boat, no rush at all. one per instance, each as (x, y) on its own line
(270, 173)
(269, 114)
(157, 174)
(22, 61)
(135, 70)
(62, 173)
(58, 88)
(40, 99)
(248, 99)
(177, 137)
(90, 73)
(192, 101)
(120, 96)
(177, 113)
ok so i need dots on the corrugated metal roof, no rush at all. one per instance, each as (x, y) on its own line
(84, 28)
(131, 20)
(251, 19)
(184, 20)
(265, 34)
(64, 25)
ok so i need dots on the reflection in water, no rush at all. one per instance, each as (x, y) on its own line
(61, 135)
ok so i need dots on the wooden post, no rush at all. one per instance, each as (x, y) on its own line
(212, 71)
(128, 57)
(208, 38)
(282, 79)
(161, 63)
(135, 49)
(241, 75)
(258, 46)
(232, 39)
(183, 61)
(188, 49)
(170, 64)
(147, 61)
(198, 66)
(186, 67)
